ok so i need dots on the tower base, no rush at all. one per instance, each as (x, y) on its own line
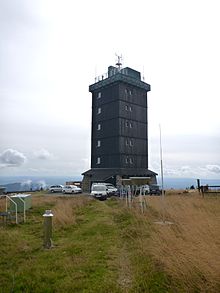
(114, 176)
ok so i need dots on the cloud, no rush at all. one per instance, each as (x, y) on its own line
(176, 171)
(213, 168)
(185, 169)
(26, 183)
(43, 154)
(12, 158)
(33, 170)
(205, 171)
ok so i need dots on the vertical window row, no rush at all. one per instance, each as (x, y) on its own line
(99, 110)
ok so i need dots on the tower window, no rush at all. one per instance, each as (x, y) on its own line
(99, 126)
(131, 160)
(130, 92)
(127, 160)
(99, 111)
(130, 124)
(98, 143)
(126, 142)
(99, 95)
(128, 108)
(131, 143)
(98, 161)
(126, 123)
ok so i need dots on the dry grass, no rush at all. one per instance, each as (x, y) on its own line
(63, 208)
(189, 249)
(2, 204)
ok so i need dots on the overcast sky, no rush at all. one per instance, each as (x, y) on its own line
(51, 50)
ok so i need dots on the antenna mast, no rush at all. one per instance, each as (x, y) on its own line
(161, 167)
(143, 74)
(119, 64)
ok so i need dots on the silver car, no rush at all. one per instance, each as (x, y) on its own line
(71, 189)
(56, 188)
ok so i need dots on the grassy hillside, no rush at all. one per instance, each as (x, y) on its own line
(107, 247)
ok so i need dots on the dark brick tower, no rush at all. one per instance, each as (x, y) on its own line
(119, 146)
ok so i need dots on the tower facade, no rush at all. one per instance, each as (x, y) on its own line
(119, 141)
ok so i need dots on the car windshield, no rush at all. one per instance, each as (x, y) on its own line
(154, 186)
(98, 188)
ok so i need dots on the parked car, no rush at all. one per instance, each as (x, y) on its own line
(56, 188)
(155, 189)
(112, 190)
(146, 189)
(71, 189)
(121, 192)
(99, 191)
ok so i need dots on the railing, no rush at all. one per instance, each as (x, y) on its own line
(101, 77)
(209, 189)
(16, 207)
(24, 210)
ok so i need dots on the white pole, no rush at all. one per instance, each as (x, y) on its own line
(161, 167)
(129, 196)
(24, 208)
(6, 204)
(48, 228)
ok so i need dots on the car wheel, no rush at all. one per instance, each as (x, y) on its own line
(52, 190)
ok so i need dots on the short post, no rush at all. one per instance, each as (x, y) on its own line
(141, 200)
(48, 229)
(129, 196)
(198, 185)
(126, 197)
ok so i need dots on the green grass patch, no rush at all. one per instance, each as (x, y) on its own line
(99, 252)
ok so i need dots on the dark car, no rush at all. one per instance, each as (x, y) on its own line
(155, 189)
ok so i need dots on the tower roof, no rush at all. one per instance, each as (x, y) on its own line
(102, 174)
(127, 75)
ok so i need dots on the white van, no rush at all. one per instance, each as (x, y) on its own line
(99, 191)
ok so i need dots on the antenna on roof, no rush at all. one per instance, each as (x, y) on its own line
(119, 64)
(96, 73)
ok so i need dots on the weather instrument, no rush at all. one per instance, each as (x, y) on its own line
(119, 61)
